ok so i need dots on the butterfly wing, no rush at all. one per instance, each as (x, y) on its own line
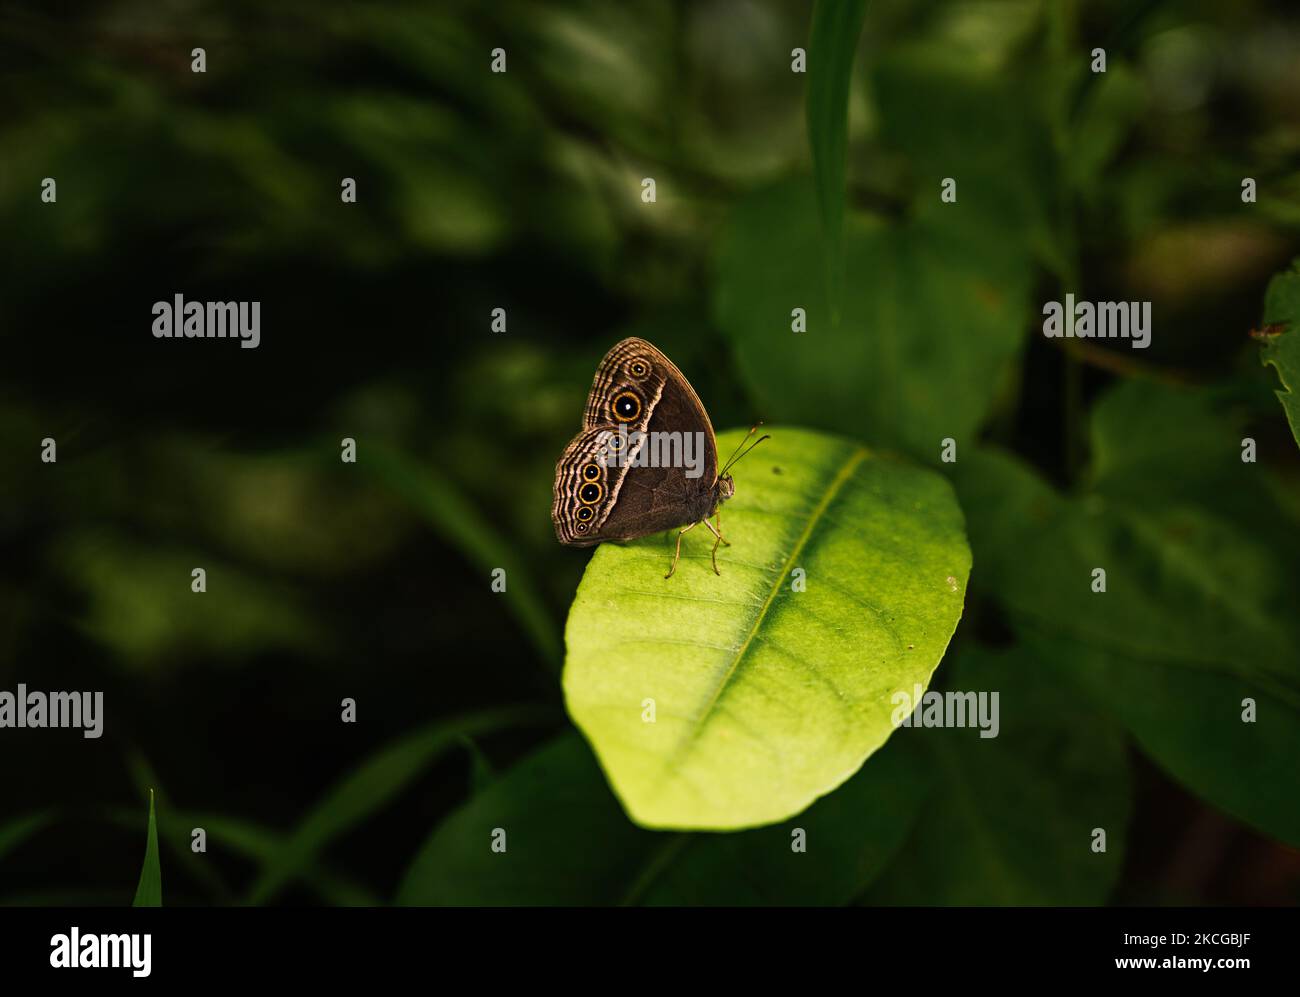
(634, 367)
(600, 492)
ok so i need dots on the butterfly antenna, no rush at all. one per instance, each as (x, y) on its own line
(737, 455)
(733, 463)
(752, 431)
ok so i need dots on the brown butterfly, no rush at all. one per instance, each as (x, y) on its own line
(646, 459)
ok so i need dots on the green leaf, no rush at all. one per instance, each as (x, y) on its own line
(138, 601)
(933, 321)
(1182, 584)
(148, 893)
(1282, 306)
(559, 793)
(985, 123)
(1191, 724)
(1198, 612)
(1115, 103)
(766, 697)
(836, 27)
(1011, 818)
(481, 772)
(371, 785)
(977, 126)
(1148, 437)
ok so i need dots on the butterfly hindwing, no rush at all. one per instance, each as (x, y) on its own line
(588, 477)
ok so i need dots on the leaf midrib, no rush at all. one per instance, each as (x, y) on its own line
(814, 519)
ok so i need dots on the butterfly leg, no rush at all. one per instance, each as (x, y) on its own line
(715, 545)
(678, 553)
(717, 518)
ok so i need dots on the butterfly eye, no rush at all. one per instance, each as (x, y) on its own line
(584, 514)
(627, 406)
(638, 368)
(591, 473)
(591, 492)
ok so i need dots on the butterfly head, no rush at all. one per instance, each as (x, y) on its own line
(726, 488)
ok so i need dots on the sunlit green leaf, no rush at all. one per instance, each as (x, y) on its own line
(765, 695)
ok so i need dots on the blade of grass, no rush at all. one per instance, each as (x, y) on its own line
(374, 783)
(258, 843)
(175, 834)
(148, 893)
(833, 43)
(461, 525)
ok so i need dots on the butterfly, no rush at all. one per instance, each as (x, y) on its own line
(646, 459)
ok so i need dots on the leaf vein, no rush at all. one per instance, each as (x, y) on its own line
(814, 520)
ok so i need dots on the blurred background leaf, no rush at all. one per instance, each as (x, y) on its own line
(559, 795)
(1181, 584)
(1194, 724)
(17, 830)
(1011, 819)
(370, 785)
(931, 325)
(1196, 547)
(1282, 349)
